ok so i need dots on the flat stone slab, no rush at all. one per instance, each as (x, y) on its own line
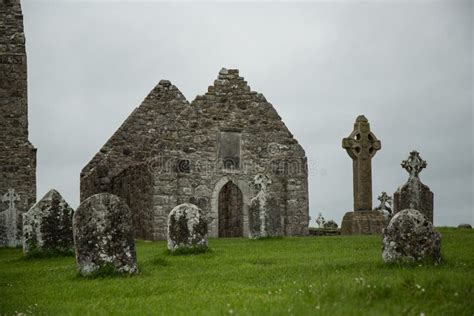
(103, 235)
(47, 226)
(324, 231)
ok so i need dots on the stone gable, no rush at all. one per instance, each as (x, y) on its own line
(143, 134)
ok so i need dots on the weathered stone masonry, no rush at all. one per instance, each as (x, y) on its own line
(17, 154)
(170, 152)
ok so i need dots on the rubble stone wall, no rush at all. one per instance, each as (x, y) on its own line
(135, 186)
(17, 154)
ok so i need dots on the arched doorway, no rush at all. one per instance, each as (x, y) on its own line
(230, 210)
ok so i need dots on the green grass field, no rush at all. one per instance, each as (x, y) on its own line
(289, 276)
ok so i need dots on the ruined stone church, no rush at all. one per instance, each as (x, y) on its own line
(228, 152)
(17, 154)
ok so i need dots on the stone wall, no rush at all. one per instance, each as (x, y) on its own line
(17, 155)
(135, 186)
(192, 150)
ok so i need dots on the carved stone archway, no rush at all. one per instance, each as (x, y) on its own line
(214, 213)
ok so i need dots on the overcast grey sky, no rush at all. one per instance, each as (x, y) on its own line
(406, 65)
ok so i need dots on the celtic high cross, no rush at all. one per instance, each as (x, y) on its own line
(361, 145)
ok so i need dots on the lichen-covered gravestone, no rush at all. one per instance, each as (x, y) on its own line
(187, 228)
(264, 215)
(414, 194)
(410, 237)
(47, 226)
(103, 236)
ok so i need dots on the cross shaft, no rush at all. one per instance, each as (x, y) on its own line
(361, 145)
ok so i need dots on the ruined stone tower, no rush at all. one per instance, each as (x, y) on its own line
(17, 154)
(228, 152)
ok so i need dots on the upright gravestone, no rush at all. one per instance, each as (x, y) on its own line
(414, 194)
(187, 228)
(103, 236)
(10, 223)
(361, 145)
(47, 226)
(409, 237)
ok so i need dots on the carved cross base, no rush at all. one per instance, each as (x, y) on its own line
(363, 223)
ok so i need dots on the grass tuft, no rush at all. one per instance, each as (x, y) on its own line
(106, 271)
(409, 264)
(185, 251)
(45, 254)
(267, 238)
(160, 262)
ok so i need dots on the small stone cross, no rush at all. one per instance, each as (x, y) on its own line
(385, 202)
(11, 197)
(361, 145)
(414, 164)
(320, 220)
